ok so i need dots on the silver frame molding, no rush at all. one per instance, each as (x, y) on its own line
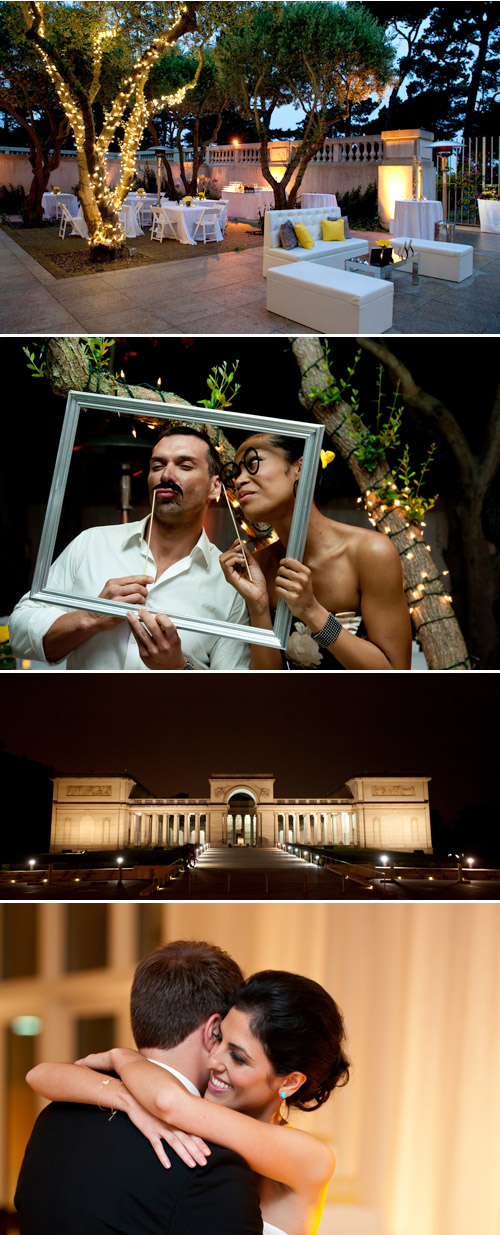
(76, 402)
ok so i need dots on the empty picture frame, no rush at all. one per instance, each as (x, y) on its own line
(78, 401)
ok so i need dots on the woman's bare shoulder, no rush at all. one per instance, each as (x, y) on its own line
(369, 547)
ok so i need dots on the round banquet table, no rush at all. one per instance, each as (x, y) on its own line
(127, 219)
(312, 201)
(417, 219)
(50, 200)
(247, 205)
(147, 200)
(185, 218)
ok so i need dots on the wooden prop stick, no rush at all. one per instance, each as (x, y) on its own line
(150, 531)
(237, 530)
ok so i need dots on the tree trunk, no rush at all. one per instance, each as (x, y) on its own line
(44, 159)
(434, 622)
(172, 191)
(278, 186)
(474, 571)
(33, 209)
(485, 30)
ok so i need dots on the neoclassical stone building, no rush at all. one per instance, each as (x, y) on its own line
(98, 812)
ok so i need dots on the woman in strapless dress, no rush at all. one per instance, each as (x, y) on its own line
(347, 595)
(280, 1046)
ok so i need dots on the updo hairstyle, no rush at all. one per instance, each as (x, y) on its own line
(300, 1028)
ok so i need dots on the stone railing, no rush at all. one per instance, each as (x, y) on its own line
(335, 150)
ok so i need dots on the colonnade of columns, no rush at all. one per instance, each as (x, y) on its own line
(164, 828)
(241, 829)
(317, 828)
(290, 827)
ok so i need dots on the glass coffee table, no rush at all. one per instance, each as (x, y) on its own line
(361, 265)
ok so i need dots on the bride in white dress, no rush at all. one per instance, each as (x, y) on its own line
(281, 1045)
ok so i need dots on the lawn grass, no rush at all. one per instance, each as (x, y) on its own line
(68, 258)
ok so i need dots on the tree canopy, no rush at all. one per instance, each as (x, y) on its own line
(320, 58)
(448, 70)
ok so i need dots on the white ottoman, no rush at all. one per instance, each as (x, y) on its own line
(439, 260)
(329, 300)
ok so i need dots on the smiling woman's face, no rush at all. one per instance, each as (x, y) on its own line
(264, 479)
(241, 1075)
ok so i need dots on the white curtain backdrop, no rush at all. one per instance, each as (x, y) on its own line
(417, 1130)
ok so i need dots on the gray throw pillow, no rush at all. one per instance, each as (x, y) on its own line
(288, 238)
(347, 234)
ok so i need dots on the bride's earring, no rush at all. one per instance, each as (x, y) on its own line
(282, 1094)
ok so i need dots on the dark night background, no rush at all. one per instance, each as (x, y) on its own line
(311, 733)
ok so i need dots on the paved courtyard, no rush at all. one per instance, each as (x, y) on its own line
(259, 875)
(224, 294)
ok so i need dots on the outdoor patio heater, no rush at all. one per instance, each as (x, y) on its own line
(159, 151)
(445, 149)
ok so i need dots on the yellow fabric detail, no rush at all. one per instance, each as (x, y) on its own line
(333, 229)
(303, 236)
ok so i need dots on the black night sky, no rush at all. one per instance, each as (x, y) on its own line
(312, 732)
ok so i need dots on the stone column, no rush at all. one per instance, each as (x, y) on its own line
(395, 173)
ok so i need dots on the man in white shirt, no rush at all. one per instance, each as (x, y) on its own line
(183, 577)
(87, 1171)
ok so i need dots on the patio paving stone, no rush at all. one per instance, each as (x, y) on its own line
(224, 293)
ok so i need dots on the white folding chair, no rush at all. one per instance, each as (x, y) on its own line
(76, 224)
(161, 225)
(207, 225)
(221, 210)
(142, 211)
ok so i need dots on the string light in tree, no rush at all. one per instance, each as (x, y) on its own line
(101, 210)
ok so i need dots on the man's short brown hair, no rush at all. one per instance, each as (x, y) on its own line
(178, 987)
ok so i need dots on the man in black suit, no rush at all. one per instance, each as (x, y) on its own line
(87, 1171)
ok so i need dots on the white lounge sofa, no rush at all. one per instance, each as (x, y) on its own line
(335, 250)
(329, 300)
(439, 260)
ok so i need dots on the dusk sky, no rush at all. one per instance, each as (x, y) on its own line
(313, 731)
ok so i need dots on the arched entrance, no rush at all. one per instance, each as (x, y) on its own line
(241, 819)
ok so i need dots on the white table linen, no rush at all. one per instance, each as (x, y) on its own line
(192, 587)
(146, 200)
(50, 200)
(127, 219)
(489, 215)
(185, 218)
(313, 201)
(417, 219)
(247, 205)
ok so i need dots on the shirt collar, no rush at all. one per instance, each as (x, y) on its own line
(180, 1077)
(137, 532)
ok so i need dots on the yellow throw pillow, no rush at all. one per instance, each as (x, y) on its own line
(333, 229)
(303, 236)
